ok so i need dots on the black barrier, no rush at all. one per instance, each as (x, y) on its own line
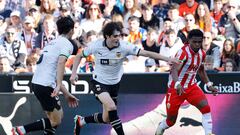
(146, 83)
(139, 94)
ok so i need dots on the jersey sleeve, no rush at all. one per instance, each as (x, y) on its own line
(89, 49)
(181, 55)
(66, 50)
(132, 49)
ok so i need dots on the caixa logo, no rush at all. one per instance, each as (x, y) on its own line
(232, 88)
(23, 87)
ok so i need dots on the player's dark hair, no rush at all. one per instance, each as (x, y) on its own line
(195, 33)
(110, 27)
(64, 25)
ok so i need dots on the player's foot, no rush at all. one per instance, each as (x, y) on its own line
(79, 122)
(17, 131)
(159, 130)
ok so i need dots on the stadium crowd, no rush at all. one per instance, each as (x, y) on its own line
(161, 26)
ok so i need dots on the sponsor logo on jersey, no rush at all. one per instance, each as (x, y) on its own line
(118, 54)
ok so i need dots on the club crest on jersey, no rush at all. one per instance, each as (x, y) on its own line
(118, 54)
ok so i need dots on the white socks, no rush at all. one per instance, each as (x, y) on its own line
(163, 124)
(207, 123)
(22, 129)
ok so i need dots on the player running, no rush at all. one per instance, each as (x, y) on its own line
(109, 54)
(182, 84)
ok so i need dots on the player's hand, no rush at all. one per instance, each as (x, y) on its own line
(173, 61)
(214, 90)
(180, 90)
(55, 91)
(72, 101)
(73, 79)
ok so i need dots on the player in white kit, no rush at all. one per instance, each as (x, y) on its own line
(109, 54)
(47, 80)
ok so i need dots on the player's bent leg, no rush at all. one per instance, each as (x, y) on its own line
(55, 118)
(110, 106)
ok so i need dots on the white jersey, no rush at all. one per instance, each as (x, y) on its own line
(46, 70)
(108, 62)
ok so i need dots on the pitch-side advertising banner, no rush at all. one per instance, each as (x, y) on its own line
(141, 106)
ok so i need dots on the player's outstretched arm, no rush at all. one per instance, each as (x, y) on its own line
(203, 75)
(74, 76)
(158, 56)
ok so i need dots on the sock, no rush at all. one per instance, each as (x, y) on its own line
(163, 125)
(50, 131)
(22, 129)
(95, 118)
(207, 123)
(115, 122)
(38, 125)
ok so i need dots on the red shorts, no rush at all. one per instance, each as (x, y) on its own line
(194, 95)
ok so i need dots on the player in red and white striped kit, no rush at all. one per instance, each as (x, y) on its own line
(183, 86)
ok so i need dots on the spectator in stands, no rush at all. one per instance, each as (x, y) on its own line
(110, 9)
(26, 5)
(148, 19)
(189, 25)
(161, 9)
(230, 66)
(31, 63)
(169, 48)
(166, 26)
(34, 12)
(15, 49)
(49, 33)
(48, 7)
(136, 33)
(189, 6)
(150, 44)
(229, 24)
(93, 20)
(15, 20)
(208, 64)
(77, 11)
(203, 17)
(211, 49)
(28, 34)
(117, 18)
(173, 14)
(5, 65)
(229, 52)
(217, 12)
(65, 9)
(150, 65)
(78, 31)
(130, 9)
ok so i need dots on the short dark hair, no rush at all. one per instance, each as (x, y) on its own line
(110, 27)
(64, 25)
(195, 33)
(133, 18)
(173, 6)
(170, 31)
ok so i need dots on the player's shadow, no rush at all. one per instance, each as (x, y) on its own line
(188, 121)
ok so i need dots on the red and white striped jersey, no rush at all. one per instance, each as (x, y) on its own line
(191, 63)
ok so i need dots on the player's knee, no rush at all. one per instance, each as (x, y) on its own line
(111, 107)
(205, 109)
